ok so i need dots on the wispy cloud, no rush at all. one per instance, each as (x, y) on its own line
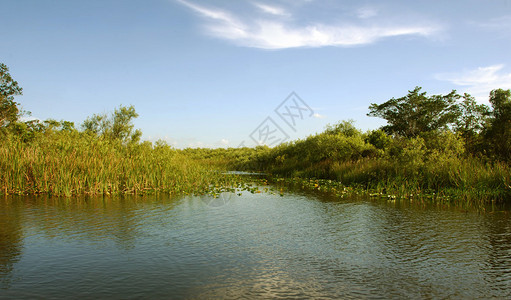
(318, 116)
(224, 23)
(273, 10)
(277, 33)
(479, 82)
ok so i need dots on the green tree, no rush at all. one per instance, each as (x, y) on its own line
(344, 127)
(498, 133)
(416, 112)
(471, 122)
(378, 139)
(118, 126)
(472, 118)
(9, 111)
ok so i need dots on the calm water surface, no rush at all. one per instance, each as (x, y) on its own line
(253, 246)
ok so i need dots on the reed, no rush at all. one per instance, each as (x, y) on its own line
(76, 163)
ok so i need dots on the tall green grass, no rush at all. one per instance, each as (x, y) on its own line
(72, 163)
(459, 179)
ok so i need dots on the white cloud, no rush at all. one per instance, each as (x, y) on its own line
(273, 10)
(479, 82)
(278, 34)
(224, 22)
(318, 116)
(224, 142)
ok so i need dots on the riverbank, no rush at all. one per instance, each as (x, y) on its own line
(107, 157)
(437, 167)
(439, 170)
(67, 163)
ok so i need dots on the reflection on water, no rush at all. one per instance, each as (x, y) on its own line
(10, 242)
(256, 245)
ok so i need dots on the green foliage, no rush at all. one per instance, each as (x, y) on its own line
(434, 162)
(412, 154)
(498, 134)
(379, 139)
(24, 131)
(345, 128)
(472, 122)
(501, 102)
(472, 117)
(9, 111)
(118, 126)
(485, 132)
(74, 163)
(415, 113)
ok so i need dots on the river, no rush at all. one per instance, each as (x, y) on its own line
(251, 246)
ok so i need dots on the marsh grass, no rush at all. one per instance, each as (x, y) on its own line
(464, 179)
(76, 163)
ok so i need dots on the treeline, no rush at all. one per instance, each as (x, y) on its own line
(103, 156)
(446, 145)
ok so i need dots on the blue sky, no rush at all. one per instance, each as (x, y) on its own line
(213, 73)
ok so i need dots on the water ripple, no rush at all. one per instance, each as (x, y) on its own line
(254, 246)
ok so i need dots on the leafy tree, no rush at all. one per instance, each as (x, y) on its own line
(498, 134)
(416, 112)
(344, 127)
(122, 124)
(471, 122)
(96, 124)
(9, 111)
(472, 118)
(379, 139)
(51, 125)
(118, 126)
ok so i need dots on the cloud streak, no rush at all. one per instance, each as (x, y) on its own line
(479, 82)
(223, 23)
(277, 33)
(273, 10)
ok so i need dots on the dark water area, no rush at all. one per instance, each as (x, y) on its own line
(250, 246)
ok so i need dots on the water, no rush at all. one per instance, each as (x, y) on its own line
(250, 246)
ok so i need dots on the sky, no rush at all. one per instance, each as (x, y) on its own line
(225, 73)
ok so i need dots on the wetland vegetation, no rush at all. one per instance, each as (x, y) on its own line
(440, 146)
